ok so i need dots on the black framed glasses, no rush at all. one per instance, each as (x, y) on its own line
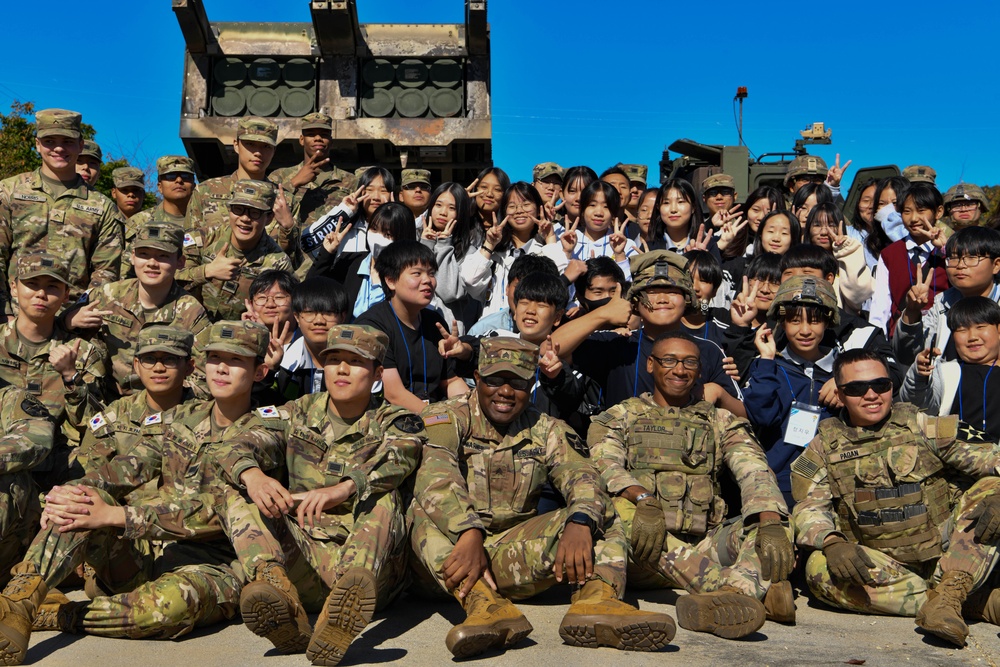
(689, 363)
(497, 381)
(861, 387)
(239, 210)
(278, 299)
(711, 193)
(969, 260)
(149, 361)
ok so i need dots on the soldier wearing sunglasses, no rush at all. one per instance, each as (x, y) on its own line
(876, 499)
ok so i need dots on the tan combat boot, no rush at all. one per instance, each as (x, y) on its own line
(728, 612)
(271, 609)
(18, 604)
(779, 603)
(983, 605)
(598, 618)
(58, 613)
(347, 611)
(491, 622)
(941, 615)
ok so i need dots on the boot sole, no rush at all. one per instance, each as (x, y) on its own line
(502, 634)
(267, 615)
(630, 633)
(730, 616)
(11, 651)
(779, 603)
(347, 611)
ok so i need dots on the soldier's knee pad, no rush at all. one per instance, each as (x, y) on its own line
(816, 566)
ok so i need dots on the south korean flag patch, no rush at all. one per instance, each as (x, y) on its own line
(189, 240)
(153, 419)
(270, 412)
(98, 421)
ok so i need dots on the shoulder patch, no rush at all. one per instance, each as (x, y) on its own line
(97, 421)
(269, 412)
(441, 418)
(153, 419)
(971, 434)
(33, 407)
(410, 423)
(805, 467)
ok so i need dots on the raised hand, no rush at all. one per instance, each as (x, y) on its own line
(352, 200)
(276, 346)
(450, 344)
(919, 295)
(722, 217)
(448, 229)
(730, 229)
(925, 361)
(336, 236)
(310, 169)
(618, 240)
(744, 307)
(63, 358)
(282, 212)
(473, 190)
(86, 317)
(493, 237)
(568, 238)
(222, 267)
(764, 340)
(836, 173)
(700, 241)
(840, 238)
(549, 361)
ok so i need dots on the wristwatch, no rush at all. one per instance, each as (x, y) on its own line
(73, 381)
(584, 520)
(643, 496)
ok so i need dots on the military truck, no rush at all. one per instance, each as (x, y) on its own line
(402, 95)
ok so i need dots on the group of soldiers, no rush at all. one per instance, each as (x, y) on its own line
(136, 461)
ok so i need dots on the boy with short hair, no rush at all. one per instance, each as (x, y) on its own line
(503, 319)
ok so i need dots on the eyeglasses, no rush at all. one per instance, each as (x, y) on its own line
(497, 381)
(174, 175)
(149, 361)
(312, 315)
(278, 299)
(523, 208)
(416, 186)
(670, 362)
(719, 192)
(969, 261)
(809, 178)
(963, 205)
(861, 387)
(253, 213)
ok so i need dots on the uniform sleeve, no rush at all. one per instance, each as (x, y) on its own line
(746, 461)
(256, 447)
(575, 478)
(814, 516)
(106, 256)
(960, 446)
(28, 431)
(609, 451)
(6, 241)
(476, 274)
(172, 518)
(86, 397)
(127, 472)
(195, 217)
(193, 273)
(403, 438)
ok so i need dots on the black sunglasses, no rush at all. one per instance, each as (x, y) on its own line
(517, 384)
(861, 387)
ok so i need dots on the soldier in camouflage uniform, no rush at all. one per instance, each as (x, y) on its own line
(192, 582)
(415, 193)
(175, 183)
(662, 456)
(54, 210)
(893, 500)
(474, 523)
(222, 263)
(119, 310)
(28, 432)
(347, 458)
(88, 163)
(964, 205)
(637, 174)
(129, 190)
(64, 372)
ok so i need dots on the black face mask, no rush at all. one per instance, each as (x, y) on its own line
(594, 304)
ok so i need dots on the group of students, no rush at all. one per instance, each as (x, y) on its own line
(311, 390)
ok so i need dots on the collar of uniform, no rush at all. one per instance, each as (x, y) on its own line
(927, 247)
(265, 246)
(825, 362)
(80, 191)
(12, 343)
(482, 429)
(139, 408)
(320, 414)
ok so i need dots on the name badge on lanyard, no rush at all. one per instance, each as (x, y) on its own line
(802, 423)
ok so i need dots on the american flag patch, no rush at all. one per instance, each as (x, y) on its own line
(270, 412)
(153, 419)
(97, 421)
(443, 418)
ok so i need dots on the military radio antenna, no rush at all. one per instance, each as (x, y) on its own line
(741, 94)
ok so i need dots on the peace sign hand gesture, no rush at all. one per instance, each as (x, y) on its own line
(700, 241)
(836, 172)
(744, 309)
(730, 229)
(450, 344)
(918, 297)
(352, 200)
(618, 240)
(550, 363)
(333, 240)
(722, 217)
(568, 238)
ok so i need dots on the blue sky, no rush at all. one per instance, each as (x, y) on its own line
(590, 82)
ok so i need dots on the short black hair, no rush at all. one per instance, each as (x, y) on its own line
(794, 228)
(543, 288)
(320, 295)
(285, 280)
(822, 193)
(765, 266)
(708, 266)
(974, 241)
(528, 264)
(853, 356)
(681, 335)
(398, 256)
(581, 173)
(809, 256)
(599, 267)
(615, 170)
(612, 198)
(924, 195)
(394, 221)
(973, 310)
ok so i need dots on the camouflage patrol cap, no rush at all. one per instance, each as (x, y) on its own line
(174, 164)
(918, 173)
(637, 173)
(361, 339)
(91, 149)
(61, 122)
(546, 169)
(128, 177)
(242, 337)
(718, 181)
(805, 165)
(660, 268)
(256, 194)
(805, 291)
(257, 129)
(317, 121)
(160, 235)
(506, 353)
(415, 176)
(164, 338)
(34, 264)
(966, 191)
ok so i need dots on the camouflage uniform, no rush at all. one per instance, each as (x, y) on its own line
(225, 299)
(636, 173)
(120, 330)
(679, 454)
(70, 406)
(81, 225)
(472, 477)
(848, 483)
(28, 432)
(192, 583)
(165, 165)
